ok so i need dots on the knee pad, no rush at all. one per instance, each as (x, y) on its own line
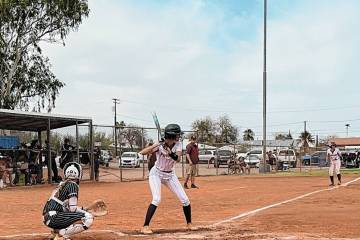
(156, 201)
(87, 220)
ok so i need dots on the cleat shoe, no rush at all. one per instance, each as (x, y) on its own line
(190, 227)
(146, 230)
(339, 183)
(186, 186)
(193, 186)
(58, 237)
(331, 185)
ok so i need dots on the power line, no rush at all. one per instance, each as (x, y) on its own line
(207, 109)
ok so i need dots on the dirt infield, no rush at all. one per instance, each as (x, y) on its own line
(320, 214)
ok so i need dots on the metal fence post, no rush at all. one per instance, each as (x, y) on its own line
(182, 158)
(142, 147)
(49, 152)
(120, 164)
(77, 142)
(91, 147)
(216, 161)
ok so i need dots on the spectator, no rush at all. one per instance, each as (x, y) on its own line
(66, 153)
(22, 165)
(97, 156)
(5, 171)
(192, 160)
(244, 167)
(272, 160)
(55, 176)
(35, 163)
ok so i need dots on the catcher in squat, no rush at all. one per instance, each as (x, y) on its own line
(61, 211)
(168, 152)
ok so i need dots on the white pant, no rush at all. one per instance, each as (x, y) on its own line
(334, 166)
(157, 177)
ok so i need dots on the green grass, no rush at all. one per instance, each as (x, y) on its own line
(316, 172)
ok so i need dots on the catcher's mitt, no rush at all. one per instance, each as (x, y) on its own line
(98, 208)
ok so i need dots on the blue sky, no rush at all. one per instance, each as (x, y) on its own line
(191, 59)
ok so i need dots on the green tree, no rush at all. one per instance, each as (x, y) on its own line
(25, 75)
(132, 134)
(227, 132)
(289, 136)
(204, 129)
(280, 136)
(306, 138)
(248, 135)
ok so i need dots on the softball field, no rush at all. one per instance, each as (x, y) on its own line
(272, 206)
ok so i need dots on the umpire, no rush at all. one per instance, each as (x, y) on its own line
(192, 159)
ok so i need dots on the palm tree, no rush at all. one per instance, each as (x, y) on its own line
(306, 138)
(248, 135)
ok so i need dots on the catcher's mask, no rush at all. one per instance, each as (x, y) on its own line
(172, 131)
(73, 171)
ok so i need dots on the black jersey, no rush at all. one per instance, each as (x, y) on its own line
(64, 191)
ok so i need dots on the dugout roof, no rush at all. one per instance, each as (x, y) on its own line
(35, 122)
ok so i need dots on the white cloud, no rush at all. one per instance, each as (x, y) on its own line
(169, 57)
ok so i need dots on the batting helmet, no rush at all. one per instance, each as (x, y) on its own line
(172, 131)
(73, 170)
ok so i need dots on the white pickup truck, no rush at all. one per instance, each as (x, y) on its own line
(287, 156)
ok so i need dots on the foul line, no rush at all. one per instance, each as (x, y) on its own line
(253, 212)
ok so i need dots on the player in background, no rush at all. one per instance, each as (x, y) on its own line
(333, 156)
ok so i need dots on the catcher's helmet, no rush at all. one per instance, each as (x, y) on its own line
(73, 170)
(172, 131)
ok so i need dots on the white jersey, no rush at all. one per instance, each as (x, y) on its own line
(163, 161)
(334, 156)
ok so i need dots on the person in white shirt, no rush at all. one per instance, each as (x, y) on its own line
(168, 152)
(333, 156)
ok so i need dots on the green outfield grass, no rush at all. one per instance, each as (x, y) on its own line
(315, 172)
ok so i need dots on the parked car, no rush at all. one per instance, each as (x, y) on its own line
(317, 158)
(350, 159)
(287, 156)
(129, 159)
(253, 160)
(222, 157)
(240, 154)
(255, 152)
(207, 156)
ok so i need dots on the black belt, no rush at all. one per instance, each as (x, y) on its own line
(164, 171)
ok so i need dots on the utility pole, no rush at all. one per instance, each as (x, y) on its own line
(116, 101)
(264, 90)
(347, 129)
(305, 140)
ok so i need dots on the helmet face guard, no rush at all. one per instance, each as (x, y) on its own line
(73, 170)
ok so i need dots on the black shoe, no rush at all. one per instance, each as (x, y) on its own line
(331, 185)
(186, 186)
(193, 186)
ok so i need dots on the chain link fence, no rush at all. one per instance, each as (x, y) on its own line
(117, 161)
